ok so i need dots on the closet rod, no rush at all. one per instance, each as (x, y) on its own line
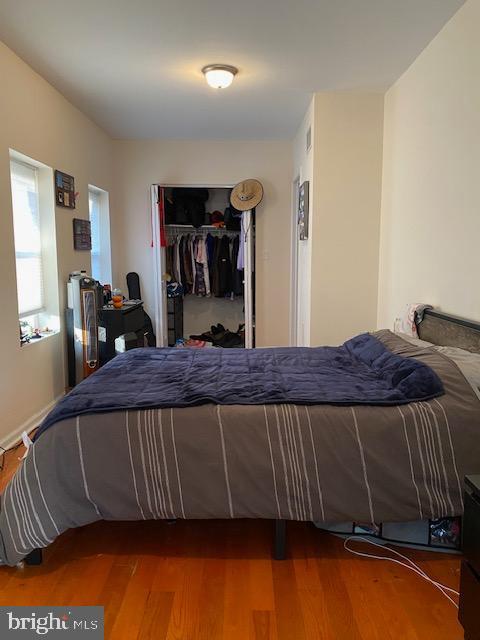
(179, 229)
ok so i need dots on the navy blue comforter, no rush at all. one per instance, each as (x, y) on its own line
(361, 371)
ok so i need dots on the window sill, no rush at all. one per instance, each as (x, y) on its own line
(43, 337)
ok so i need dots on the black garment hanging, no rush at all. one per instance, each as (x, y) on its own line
(181, 249)
(214, 280)
(224, 266)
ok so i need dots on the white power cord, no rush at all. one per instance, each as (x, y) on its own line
(411, 565)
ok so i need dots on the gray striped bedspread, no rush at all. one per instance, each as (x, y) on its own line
(321, 463)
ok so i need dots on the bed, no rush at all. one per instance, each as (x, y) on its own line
(280, 461)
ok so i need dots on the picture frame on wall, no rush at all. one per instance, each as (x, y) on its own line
(82, 235)
(303, 210)
(64, 190)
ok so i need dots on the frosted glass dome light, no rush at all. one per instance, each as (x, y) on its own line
(219, 76)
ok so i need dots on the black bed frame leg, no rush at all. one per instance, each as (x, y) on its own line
(34, 558)
(279, 547)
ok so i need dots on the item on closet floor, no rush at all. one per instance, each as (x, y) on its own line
(216, 332)
(182, 343)
(197, 344)
(230, 341)
(246, 195)
(221, 337)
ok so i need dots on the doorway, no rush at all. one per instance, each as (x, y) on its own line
(194, 313)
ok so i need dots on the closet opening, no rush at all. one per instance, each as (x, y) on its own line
(202, 250)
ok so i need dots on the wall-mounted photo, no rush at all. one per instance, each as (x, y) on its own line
(64, 190)
(303, 193)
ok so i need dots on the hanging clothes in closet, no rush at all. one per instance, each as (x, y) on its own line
(205, 265)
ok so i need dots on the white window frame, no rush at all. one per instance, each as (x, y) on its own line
(48, 315)
(101, 198)
(15, 167)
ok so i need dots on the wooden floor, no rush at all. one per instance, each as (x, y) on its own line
(205, 580)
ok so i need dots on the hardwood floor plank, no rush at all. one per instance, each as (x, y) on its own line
(263, 625)
(185, 614)
(132, 608)
(288, 611)
(156, 617)
(211, 600)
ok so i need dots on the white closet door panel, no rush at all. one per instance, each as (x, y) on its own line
(159, 266)
(248, 275)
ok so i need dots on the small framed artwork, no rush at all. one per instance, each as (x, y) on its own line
(303, 193)
(82, 236)
(64, 190)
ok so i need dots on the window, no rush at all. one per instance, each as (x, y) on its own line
(33, 208)
(94, 209)
(100, 229)
(28, 242)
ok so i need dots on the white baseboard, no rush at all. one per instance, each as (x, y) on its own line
(15, 436)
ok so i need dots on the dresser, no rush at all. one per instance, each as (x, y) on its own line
(469, 609)
(116, 322)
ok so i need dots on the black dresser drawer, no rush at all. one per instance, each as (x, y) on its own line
(133, 320)
(471, 531)
(468, 612)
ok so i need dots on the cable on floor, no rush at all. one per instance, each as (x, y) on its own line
(411, 565)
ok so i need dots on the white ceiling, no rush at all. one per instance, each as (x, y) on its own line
(134, 66)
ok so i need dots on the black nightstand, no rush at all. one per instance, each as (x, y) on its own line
(469, 610)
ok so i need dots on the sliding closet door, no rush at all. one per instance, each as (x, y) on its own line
(159, 268)
(248, 277)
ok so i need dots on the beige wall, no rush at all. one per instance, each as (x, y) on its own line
(345, 215)
(138, 164)
(38, 122)
(430, 229)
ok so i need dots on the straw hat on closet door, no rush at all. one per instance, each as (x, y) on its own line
(246, 195)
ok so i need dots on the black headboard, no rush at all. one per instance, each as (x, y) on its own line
(451, 331)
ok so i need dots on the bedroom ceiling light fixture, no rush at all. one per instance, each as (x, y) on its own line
(219, 76)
